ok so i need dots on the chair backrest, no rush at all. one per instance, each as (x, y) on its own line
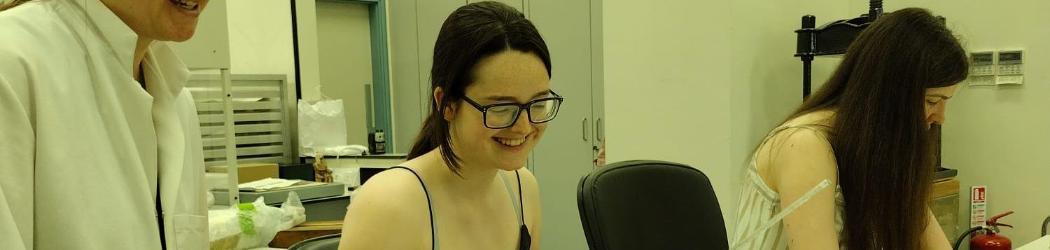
(327, 242)
(1046, 223)
(650, 205)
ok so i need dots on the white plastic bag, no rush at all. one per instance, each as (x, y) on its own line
(349, 176)
(322, 124)
(254, 224)
(260, 223)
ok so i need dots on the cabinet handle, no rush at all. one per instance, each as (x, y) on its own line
(599, 131)
(585, 129)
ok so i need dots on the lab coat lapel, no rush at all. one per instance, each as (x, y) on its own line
(120, 38)
(164, 75)
(165, 84)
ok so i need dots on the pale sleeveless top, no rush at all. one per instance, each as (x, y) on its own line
(759, 215)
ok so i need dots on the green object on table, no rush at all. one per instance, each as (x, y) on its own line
(245, 213)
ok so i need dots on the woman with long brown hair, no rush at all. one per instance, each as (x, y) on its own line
(852, 167)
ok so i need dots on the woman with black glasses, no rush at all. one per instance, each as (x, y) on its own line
(464, 186)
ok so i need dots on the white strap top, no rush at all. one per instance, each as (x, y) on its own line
(759, 215)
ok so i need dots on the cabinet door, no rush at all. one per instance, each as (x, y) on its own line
(430, 14)
(414, 27)
(564, 155)
(405, 78)
(597, 79)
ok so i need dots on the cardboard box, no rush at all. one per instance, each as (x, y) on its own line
(250, 171)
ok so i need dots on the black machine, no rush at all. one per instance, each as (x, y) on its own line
(831, 39)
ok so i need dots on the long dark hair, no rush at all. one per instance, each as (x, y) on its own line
(12, 4)
(471, 33)
(879, 134)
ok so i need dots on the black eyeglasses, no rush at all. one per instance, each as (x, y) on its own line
(504, 115)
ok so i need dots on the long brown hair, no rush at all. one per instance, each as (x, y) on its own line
(471, 33)
(12, 4)
(878, 133)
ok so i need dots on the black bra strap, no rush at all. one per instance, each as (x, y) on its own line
(521, 203)
(433, 234)
(524, 238)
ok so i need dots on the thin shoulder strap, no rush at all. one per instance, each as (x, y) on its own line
(518, 207)
(430, 207)
(521, 202)
(524, 238)
(785, 212)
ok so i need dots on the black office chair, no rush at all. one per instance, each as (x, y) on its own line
(650, 205)
(327, 242)
(1046, 223)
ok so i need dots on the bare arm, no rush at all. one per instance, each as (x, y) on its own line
(799, 164)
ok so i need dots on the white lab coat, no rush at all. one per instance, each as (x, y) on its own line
(83, 148)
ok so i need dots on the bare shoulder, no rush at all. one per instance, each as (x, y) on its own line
(803, 155)
(399, 182)
(800, 139)
(388, 209)
(529, 187)
(376, 194)
(528, 181)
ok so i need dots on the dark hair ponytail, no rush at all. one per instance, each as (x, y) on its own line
(471, 33)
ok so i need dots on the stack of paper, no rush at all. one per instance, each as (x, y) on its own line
(273, 184)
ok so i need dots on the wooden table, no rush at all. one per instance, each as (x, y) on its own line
(307, 230)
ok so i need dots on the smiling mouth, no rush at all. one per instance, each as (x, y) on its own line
(510, 142)
(189, 5)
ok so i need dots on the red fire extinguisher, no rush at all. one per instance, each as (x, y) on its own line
(987, 237)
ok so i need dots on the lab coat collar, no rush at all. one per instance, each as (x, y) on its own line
(120, 38)
(164, 62)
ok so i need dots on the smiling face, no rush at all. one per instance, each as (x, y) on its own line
(509, 76)
(162, 20)
(936, 103)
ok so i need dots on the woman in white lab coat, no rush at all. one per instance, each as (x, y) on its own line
(98, 134)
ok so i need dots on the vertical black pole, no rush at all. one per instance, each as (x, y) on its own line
(807, 75)
(295, 52)
(874, 10)
(807, 48)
